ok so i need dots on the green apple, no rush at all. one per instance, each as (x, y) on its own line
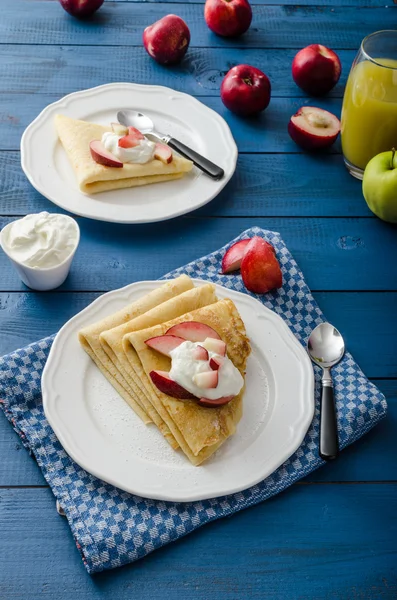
(380, 185)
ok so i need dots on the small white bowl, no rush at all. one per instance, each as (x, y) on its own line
(38, 278)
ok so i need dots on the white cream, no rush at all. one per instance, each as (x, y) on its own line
(185, 367)
(41, 240)
(140, 154)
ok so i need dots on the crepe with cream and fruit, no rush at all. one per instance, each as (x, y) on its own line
(112, 342)
(138, 161)
(89, 339)
(204, 417)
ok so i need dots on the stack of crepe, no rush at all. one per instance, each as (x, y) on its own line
(117, 346)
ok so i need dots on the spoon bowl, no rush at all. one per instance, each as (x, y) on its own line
(133, 118)
(326, 346)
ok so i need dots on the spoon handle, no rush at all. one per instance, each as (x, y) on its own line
(329, 443)
(208, 167)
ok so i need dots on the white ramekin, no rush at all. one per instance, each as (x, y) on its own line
(38, 278)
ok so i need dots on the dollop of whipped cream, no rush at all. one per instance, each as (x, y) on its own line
(185, 367)
(140, 154)
(41, 240)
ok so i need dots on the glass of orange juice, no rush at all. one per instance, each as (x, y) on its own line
(369, 111)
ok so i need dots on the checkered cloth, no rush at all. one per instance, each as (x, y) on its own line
(111, 527)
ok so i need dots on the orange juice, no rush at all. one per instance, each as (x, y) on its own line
(369, 112)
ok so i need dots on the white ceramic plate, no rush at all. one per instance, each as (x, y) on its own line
(47, 167)
(105, 437)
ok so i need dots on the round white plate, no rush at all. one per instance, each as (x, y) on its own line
(47, 167)
(104, 436)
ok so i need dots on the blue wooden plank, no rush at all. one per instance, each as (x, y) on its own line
(265, 133)
(328, 3)
(122, 24)
(371, 458)
(25, 318)
(65, 69)
(264, 185)
(334, 254)
(314, 541)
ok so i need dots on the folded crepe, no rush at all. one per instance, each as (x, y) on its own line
(112, 343)
(199, 430)
(89, 339)
(92, 177)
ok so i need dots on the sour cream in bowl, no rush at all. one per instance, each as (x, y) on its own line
(41, 247)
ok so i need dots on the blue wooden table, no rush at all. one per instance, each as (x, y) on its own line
(333, 535)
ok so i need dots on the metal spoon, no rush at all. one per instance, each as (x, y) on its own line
(132, 118)
(326, 348)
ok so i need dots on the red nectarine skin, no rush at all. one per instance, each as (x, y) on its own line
(101, 156)
(164, 343)
(167, 40)
(228, 17)
(81, 8)
(215, 403)
(313, 128)
(128, 141)
(260, 269)
(216, 362)
(194, 331)
(133, 131)
(245, 90)
(165, 384)
(316, 69)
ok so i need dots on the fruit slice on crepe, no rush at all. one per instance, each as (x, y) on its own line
(202, 423)
(93, 177)
(165, 384)
(193, 331)
(163, 153)
(165, 343)
(102, 156)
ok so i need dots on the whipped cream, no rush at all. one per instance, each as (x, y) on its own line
(185, 367)
(140, 154)
(41, 240)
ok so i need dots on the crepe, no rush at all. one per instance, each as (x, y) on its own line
(112, 343)
(92, 177)
(198, 430)
(89, 339)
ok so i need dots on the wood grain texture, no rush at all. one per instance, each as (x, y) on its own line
(328, 3)
(263, 185)
(318, 541)
(64, 69)
(265, 133)
(372, 458)
(265, 552)
(342, 254)
(122, 24)
(25, 318)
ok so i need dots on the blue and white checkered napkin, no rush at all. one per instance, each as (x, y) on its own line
(111, 527)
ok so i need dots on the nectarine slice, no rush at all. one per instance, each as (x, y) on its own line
(193, 331)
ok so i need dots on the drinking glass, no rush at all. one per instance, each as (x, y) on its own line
(369, 111)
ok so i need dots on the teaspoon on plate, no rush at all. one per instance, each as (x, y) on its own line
(133, 118)
(326, 348)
